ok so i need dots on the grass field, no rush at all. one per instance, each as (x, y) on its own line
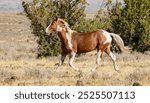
(19, 66)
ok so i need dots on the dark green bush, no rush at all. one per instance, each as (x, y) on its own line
(132, 21)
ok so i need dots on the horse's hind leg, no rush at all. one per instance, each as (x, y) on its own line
(98, 59)
(113, 58)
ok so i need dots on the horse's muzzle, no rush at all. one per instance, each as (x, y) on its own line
(47, 31)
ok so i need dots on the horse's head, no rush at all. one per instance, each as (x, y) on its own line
(57, 25)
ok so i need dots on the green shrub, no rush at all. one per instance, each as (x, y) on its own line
(132, 21)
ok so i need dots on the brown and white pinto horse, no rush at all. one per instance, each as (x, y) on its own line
(73, 42)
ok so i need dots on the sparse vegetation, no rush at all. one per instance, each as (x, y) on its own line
(42, 71)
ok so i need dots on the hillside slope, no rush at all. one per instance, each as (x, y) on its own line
(16, 39)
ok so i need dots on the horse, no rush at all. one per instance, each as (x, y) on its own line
(73, 42)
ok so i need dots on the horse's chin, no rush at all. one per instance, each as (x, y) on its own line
(47, 33)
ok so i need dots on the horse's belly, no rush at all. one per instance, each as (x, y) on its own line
(85, 48)
(87, 44)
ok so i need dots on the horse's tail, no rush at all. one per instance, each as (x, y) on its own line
(119, 42)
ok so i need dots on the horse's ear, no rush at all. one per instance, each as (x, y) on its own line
(56, 18)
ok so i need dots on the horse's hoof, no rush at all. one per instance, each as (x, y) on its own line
(57, 70)
(79, 74)
(92, 70)
(77, 69)
(118, 71)
(57, 64)
(93, 74)
(79, 83)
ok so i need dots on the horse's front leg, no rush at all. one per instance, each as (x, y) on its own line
(62, 58)
(71, 59)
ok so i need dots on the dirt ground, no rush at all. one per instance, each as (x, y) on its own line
(19, 66)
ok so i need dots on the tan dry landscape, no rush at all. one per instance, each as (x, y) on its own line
(19, 66)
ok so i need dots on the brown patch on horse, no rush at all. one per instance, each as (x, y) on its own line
(86, 42)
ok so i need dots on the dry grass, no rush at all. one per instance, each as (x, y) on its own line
(16, 40)
(18, 65)
(42, 72)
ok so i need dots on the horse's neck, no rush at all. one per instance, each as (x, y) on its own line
(62, 36)
(70, 31)
(66, 36)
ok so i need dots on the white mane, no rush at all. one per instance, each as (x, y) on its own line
(68, 33)
(68, 29)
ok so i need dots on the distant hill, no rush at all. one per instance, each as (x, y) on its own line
(15, 5)
(11, 5)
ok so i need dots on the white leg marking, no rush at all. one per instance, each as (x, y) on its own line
(113, 57)
(107, 36)
(98, 57)
(72, 57)
(98, 60)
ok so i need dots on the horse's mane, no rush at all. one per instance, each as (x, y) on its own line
(68, 29)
